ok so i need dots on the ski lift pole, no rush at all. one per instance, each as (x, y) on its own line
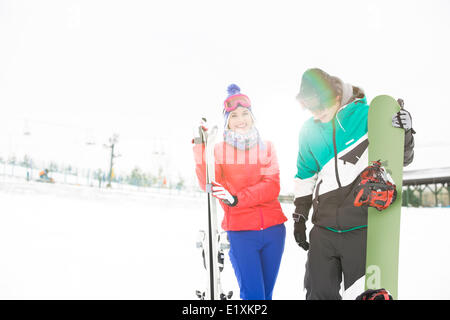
(113, 140)
(110, 167)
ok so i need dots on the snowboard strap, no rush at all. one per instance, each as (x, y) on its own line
(376, 188)
(378, 294)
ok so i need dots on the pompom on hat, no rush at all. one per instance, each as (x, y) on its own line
(233, 89)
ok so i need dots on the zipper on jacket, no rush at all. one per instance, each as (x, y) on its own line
(316, 194)
(336, 171)
(262, 218)
(335, 156)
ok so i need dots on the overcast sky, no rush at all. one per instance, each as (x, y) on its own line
(77, 71)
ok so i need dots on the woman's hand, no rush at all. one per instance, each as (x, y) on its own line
(198, 135)
(223, 194)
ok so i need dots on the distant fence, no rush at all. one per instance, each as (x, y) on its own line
(87, 178)
(422, 189)
(427, 187)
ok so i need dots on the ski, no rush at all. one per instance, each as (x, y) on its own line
(212, 243)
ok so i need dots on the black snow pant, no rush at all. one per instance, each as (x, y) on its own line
(331, 255)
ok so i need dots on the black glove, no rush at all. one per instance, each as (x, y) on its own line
(300, 231)
(403, 119)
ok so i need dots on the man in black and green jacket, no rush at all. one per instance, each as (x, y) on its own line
(333, 151)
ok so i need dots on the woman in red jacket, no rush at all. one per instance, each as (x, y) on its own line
(247, 185)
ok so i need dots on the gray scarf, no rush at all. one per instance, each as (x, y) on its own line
(244, 141)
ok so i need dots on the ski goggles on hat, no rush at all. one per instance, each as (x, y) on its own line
(237, 100)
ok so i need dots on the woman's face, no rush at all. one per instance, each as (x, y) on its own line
(240, 120)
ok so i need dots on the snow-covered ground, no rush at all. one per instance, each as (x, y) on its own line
(77, 242)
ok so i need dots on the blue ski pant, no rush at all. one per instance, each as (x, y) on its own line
(256, 257)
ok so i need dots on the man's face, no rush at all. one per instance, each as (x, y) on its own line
(326, 115)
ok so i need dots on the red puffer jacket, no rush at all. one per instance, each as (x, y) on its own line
(251, 175)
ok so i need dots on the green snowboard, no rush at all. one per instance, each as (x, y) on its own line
(383, 233)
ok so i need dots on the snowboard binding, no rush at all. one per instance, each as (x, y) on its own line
(380, 294)
(223, 245)
(376, 188)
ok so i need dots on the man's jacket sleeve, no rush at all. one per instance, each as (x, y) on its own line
(305, 179)
(409, 148)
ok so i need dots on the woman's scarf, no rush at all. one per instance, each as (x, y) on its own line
(243, 141)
